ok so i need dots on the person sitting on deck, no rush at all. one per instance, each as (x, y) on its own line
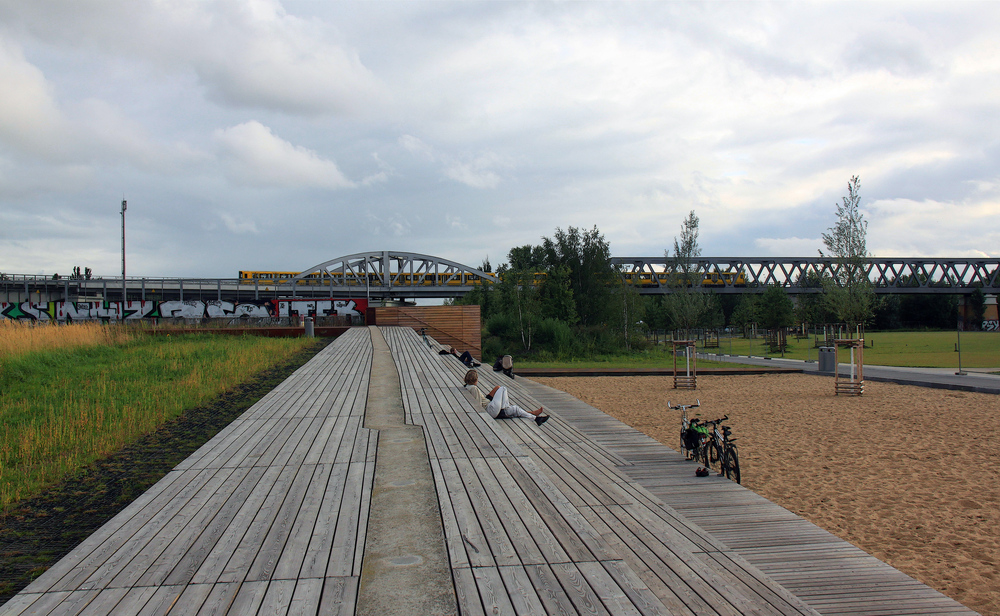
(505, 364)
(497, 403)
(466, 357)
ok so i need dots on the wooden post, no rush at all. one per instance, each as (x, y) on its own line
(689, 379)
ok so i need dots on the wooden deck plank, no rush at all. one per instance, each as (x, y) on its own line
(184, 531)
(340, 596)
(343, 551)
(270, 549)
(133, 601)
(467, 592)
(492, 591)
(316, 556)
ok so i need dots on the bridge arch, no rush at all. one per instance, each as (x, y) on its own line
(389, 273)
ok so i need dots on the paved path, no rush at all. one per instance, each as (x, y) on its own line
(978, 380)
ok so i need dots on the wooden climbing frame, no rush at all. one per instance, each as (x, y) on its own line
(854, 385)
(687, 377)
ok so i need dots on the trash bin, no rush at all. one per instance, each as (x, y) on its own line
(310, 332)
(827, 359)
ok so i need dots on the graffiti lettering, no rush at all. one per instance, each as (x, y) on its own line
(991, 326)
(114, 311)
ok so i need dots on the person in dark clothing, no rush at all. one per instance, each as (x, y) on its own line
(504, 364)
(466, 357)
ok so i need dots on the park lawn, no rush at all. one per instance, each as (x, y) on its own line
(930, 349)
(909, 349)
(655, 359)
(65, 407)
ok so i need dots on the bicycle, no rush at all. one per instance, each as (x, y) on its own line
(729, 456)
(716, 444)
(693, 439)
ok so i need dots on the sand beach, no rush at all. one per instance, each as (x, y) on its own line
(909, 474)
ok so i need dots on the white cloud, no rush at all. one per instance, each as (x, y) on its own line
(238, 226)
(476, 171)
(30, 120)
(254, 156)
(250, 53)
(908, 228)
(788, 246)
(417, 147)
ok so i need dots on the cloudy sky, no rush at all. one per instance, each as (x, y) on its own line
(259, 134)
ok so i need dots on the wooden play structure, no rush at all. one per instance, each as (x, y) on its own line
(687, 377)
(854, 385)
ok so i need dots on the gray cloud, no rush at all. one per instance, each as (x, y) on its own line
(268, 135)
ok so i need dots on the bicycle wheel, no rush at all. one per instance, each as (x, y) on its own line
(733, 468)
(714, 452)
(723, 461)
(705, 447)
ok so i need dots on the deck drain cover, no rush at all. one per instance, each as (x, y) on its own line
(402, 561)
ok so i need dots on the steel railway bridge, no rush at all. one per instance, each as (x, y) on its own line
(393, 276)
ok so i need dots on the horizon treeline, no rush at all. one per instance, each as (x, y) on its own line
(562, 298)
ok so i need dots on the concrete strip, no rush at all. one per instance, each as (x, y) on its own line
(405, 568)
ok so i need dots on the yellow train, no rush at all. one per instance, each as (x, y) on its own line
(666, 279)
(398, 279)
(638, 279)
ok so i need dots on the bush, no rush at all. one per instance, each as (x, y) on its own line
(555, 337)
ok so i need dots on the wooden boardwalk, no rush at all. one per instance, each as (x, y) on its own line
(268, 517)
(831, 575)
(271, 516)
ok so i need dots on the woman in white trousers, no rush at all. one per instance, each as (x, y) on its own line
(497, 402)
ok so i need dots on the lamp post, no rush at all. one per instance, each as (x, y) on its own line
(124, 207)
(958, 345)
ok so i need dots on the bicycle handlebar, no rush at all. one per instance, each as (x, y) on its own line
(681, 407)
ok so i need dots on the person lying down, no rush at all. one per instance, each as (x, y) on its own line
(497, 403)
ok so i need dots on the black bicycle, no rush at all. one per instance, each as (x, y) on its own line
(716, 445)
(729, 454)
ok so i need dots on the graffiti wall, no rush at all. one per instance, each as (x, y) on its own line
(114, 311)
(991, 326)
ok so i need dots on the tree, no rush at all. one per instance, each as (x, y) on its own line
(745, 313)
(687, 302)
(775, 308)
(849, 291)
(587, 257)
(813, 307)
(556, 296)
(632, 310)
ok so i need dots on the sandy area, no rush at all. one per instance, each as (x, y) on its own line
(909, 474)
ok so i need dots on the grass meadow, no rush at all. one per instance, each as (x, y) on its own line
(930, 349)
(73, 394)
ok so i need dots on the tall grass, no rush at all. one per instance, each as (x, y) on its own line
(69, 403)
(19, 337)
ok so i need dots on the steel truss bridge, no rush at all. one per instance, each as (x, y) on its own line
(738, 275)
(389, 275)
